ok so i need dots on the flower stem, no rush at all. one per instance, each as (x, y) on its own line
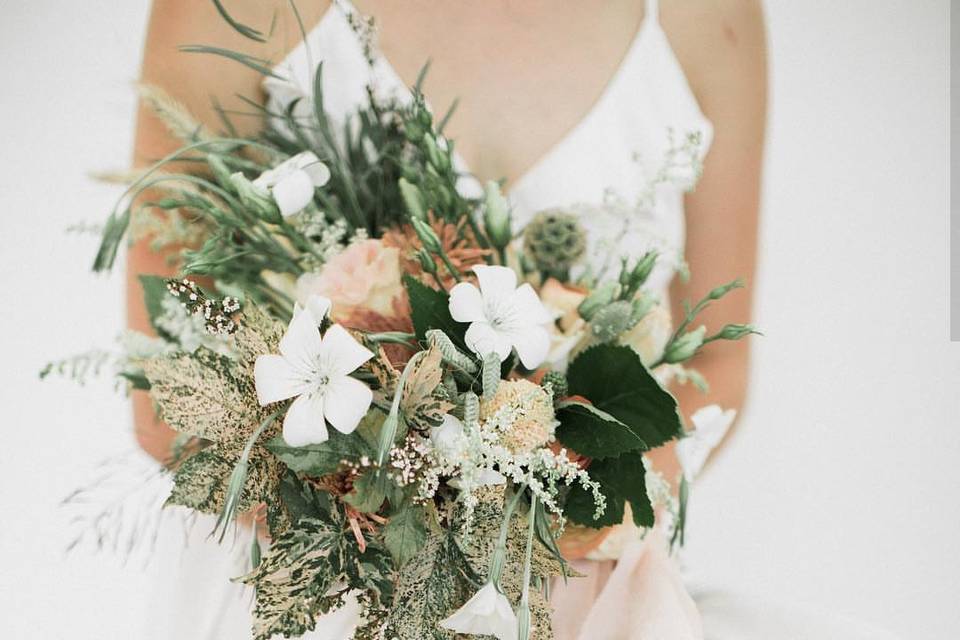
(500, 551)
(523, 615)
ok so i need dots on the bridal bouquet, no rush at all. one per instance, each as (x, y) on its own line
(413, 398)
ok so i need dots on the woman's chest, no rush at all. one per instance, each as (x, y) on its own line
(522, 77)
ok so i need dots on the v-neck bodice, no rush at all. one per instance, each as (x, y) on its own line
(623, 167)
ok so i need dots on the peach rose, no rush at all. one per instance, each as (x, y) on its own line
(570, 329)
(364, 277)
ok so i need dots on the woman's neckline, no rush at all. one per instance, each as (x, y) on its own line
(339, 9)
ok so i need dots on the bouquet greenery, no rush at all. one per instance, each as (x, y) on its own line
(416, 397)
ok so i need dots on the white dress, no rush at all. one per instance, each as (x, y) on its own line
(625, 167)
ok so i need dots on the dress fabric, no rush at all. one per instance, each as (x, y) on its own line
(624, 168)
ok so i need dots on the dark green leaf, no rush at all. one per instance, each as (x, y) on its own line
(594, 433)
(615, 381)
(430, 310)
(622, 479)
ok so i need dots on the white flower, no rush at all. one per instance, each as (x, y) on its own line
(711, 424)
(316, 370)
(502, 316)
(291, 183)
(488, 612)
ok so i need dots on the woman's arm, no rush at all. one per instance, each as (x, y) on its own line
(195, 80)
(721, 45)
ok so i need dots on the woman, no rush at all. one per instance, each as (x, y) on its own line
(569, 102)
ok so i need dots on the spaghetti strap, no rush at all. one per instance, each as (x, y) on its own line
(652, 10)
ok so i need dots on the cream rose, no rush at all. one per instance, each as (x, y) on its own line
(365, 276)
(649, 337)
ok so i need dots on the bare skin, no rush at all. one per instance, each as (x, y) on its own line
(524, 73)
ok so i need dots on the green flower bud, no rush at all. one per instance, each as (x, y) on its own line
(496, 216)
(643, 269)
(641, 307)
(412, 199)
(426, 261)
(436, 157)
(612, 320)
(255, 198)
(734, 332)
(427, 236)
(719, 292)
(220, 170)
(685, 346)
(598, 298)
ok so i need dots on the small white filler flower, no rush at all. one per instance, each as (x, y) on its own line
(502, 316)
(292, 182)
(711, 424)
(316, 370)
(488, 612)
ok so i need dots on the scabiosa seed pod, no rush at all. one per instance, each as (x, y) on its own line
(612, 320)
(556, 381)
(555, 241)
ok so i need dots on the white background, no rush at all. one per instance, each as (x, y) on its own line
(841, 487)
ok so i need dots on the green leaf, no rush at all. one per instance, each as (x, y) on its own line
(430, 310)
(154, 292)
(405, 533)
(615, 381)
(368, 492)
(622, 479)
(595, 433)
(320, 459)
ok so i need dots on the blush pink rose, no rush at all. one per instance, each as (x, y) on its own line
(364, 277)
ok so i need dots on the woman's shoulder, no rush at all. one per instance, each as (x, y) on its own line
(721, 45)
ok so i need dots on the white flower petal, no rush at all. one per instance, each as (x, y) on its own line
(300, 161)
(346, 401)
(276, 379)
(482, 338)
(319, 307)
(301, 343)
(496, 283)
(318, 172)
(341, 353)
(532, 344)
(466, 303)
(527, 304)
(712, 423)
(488, 612)
(293, 192)
(304, 422)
